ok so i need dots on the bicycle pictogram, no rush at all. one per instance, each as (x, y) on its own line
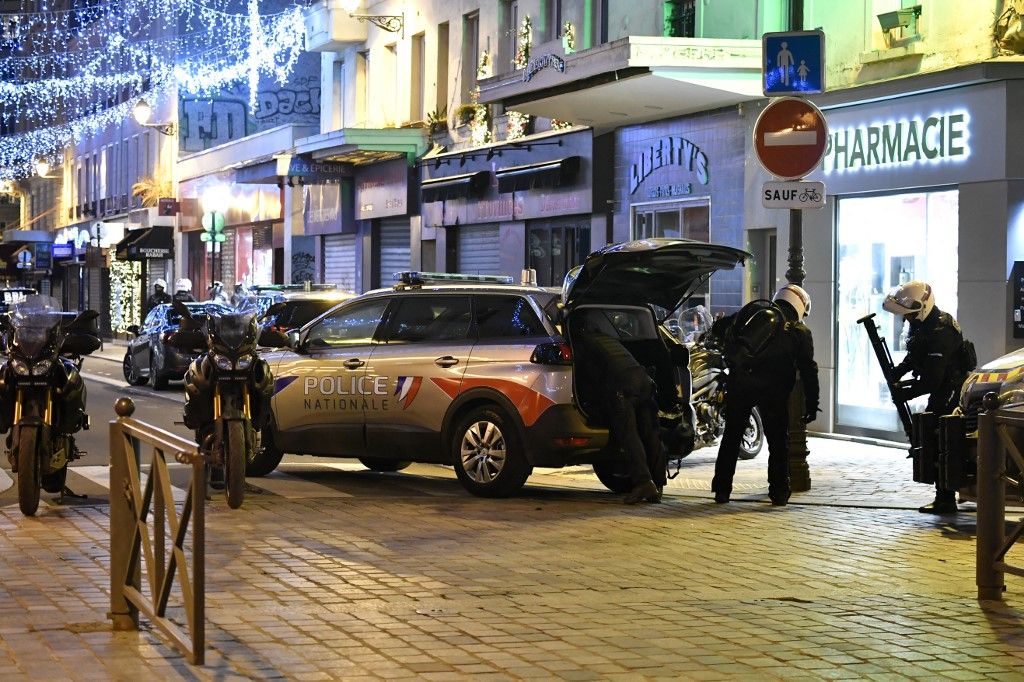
(810, 195)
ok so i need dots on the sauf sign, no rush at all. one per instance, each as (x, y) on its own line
(939, 138)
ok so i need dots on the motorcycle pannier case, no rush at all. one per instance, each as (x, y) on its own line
(82, 334)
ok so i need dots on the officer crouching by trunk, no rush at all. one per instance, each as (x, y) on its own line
(940, 359)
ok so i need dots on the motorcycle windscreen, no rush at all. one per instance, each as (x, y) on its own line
(661, 272)
(34, 321)
(237, 330)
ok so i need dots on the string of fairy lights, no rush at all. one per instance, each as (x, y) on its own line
(68, 73)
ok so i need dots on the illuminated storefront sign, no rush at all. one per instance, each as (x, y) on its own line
(940, 138)
(669, 151)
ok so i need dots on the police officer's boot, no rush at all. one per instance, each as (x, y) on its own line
(945, 503)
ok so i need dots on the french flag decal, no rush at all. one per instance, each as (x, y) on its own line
(406, 389)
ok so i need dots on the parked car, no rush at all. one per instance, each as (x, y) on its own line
(149, 358)
(479, 375)
(294, 309)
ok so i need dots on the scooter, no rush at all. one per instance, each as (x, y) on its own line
(42, 395)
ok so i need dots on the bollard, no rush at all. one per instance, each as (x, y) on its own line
(991, 506)
(124, 614)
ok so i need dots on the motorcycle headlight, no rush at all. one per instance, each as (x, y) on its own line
(41, 368)
(223, 362)
(20, 367)
(244, 363)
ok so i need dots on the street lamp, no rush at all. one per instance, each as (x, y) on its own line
(143, 112)
(43, 168)
(392, 23)
(215, 201)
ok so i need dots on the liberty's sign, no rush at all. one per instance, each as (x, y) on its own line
(669, 151)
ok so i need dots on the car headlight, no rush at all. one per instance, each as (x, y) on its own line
(223, 362)
(244, 363)
(41, 368)
(20, 367)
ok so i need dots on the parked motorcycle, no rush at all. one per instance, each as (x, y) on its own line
(227, 391)
(707, 397)
(42, 395)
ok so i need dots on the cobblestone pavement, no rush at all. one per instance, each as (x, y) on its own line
(396, 576)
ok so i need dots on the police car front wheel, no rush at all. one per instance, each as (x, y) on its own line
(488, 453)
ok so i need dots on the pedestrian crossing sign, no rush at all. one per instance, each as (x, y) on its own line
(793, 63)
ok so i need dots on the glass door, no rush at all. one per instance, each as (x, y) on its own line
(881, 242)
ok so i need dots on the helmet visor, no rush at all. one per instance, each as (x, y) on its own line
(901, 303)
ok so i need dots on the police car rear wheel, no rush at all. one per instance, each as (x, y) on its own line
(383, 465)
(488, 455)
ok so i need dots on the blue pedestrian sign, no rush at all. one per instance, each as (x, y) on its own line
(793, 63)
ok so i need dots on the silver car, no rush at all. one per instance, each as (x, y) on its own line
(479, 375)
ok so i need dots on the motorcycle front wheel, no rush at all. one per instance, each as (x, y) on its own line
(28, 471)
(235, 459)
(753, 437)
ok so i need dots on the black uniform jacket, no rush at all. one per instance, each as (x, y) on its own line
(933, 354)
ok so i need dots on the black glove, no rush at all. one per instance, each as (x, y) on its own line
(810, 415)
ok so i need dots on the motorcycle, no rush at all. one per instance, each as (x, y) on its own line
(227, 391)
(42, 394)
(707, 396)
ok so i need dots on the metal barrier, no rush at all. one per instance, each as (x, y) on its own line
(995, 444)
(132, 536)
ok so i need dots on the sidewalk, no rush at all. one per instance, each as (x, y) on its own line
(408, 577)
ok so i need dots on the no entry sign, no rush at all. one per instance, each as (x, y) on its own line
(789, 137)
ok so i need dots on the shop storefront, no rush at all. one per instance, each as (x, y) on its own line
(383, 205)
(920, 187)
(331, 234)
(524, 204)
(683, 178)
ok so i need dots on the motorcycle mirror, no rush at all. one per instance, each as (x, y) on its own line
(181, 309)
(132, 329)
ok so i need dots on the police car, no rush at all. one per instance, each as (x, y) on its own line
(477, 372)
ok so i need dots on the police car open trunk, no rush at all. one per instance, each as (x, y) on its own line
(627, 291)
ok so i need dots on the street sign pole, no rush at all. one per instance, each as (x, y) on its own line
(799, 471)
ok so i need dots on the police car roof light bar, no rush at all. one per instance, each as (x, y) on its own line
(418, 278)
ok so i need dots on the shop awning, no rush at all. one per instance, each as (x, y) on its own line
(455, 186)
(151, 242)
(556, 173)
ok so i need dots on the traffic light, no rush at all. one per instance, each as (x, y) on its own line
(213, 227)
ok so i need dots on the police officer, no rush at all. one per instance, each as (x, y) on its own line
(183, 291)
(767, 386)
(216, 293)
(628, 396)
(158, 296)
(934, 348)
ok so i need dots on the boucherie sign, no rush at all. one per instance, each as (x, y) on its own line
(942, 137)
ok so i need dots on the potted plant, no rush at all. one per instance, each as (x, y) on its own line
(437, 121)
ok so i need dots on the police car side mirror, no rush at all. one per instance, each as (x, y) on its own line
(295, 341)
(272, 338)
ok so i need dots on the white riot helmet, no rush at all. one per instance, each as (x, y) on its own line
(183, 284)
(796, 297)
(913, 300)
(162, 283)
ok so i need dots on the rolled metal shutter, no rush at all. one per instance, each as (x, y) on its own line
(340, 261)
(394, 250)
(478, 250)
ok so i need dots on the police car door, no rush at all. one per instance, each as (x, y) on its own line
(421, 359)
(321, 391)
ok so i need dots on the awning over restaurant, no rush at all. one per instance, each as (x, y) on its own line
(455, 186)
(555, 173)
(150, 242)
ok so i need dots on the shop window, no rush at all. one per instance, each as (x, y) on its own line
(872, 258)
(690, 220)
(553, 248)
(679, 18)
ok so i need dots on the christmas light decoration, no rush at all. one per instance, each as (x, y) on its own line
(517, 125)
(68, 75)
(524, 41)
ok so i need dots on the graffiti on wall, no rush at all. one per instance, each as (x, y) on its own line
(206, 122)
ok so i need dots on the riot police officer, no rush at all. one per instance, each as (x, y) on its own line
(766, 384)
(628, 396)
(158, 296)
(934, 354)
(183, 290)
